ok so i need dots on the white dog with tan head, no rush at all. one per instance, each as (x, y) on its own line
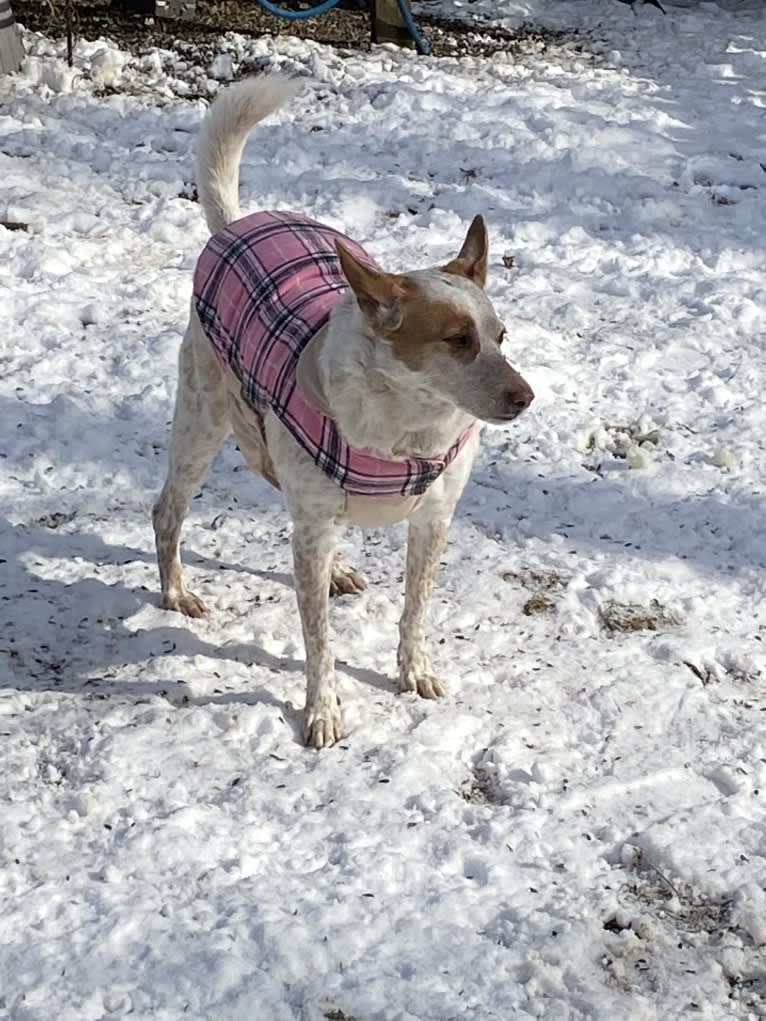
(359, 393)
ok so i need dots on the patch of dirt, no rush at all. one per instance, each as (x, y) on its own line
(663, 926)
(619, 617)
(54, 520)
(634, 442)
(480, 788)
(542, 583)
(729, 667)
(538, 603)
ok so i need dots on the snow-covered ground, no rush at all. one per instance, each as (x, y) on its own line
(578, 831)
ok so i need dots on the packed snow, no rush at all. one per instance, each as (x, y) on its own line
(578, 830)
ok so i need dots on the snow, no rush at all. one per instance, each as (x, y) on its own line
(577, 832)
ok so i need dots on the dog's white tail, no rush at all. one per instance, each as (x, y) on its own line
(232, 115)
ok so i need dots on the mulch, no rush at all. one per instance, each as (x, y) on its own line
(346, 26)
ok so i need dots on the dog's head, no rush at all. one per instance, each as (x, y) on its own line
(440, 325)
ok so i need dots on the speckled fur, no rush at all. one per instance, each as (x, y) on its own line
(391, 386)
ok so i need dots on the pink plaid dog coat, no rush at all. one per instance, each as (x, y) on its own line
(263, 287)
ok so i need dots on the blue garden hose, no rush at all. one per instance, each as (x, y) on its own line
(421, 44)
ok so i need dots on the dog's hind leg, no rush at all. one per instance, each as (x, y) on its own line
(344, 580)
(200, 425)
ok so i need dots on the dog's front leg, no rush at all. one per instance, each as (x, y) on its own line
(313, 557)
(425, 543)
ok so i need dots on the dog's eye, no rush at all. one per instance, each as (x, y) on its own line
(461, 341)
(501, 338)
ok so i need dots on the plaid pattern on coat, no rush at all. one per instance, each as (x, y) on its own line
(263, 286)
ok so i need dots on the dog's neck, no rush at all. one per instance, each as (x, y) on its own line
(377, 404)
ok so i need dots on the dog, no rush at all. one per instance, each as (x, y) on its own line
(359, 393)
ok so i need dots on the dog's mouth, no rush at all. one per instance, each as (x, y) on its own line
(511, 416)
(499, 419)
(504, 419)
(494, 419)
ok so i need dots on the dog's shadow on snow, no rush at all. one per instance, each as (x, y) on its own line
(102, 635)
(73, 637)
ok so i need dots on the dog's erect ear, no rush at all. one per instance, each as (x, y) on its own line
(472, 258)
(377, 292)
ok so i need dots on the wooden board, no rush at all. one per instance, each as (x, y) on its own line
(387, 23)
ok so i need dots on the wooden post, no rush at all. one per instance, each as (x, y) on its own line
(387, 23)
(11, 49)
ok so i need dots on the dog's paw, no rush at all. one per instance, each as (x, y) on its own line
(322, 725)
(186, 603)
(344, 580)
(422, 683)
